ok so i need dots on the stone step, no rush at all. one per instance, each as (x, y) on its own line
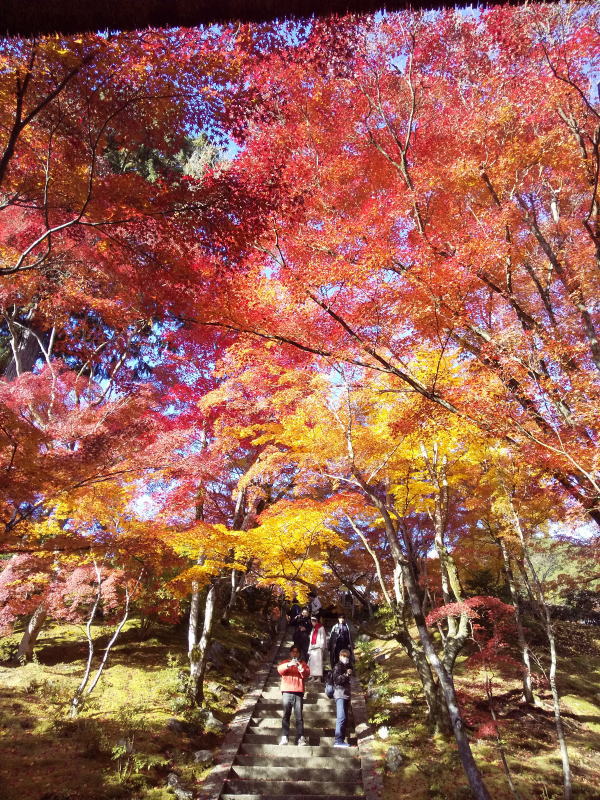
(288, 797)
(274, 725)
(265, 770)
(301, 772)
(311, 712)
(272, 698)
(309, 694)
(268, 750)
(328, 788)
(339, 762)
(310, 690)
(317, 739)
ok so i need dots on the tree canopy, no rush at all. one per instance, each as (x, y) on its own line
(305, 304)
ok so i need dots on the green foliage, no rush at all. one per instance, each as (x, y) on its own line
(131, 722)
(174, 660)
(365, 661)
(128, 762)
(88, 733)
(386, 619)
(55, 696)
(489, 583)
(378, 682)
(381, 712)
(8, 650)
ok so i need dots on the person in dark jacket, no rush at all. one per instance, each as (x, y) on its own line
(340, 638)
(295, 609)
(302, 630)
(341, 678)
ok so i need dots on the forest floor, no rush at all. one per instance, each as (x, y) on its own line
(137, 707)
(430, 769)
(133, 732)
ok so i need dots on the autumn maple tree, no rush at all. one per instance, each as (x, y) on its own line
(451, 198)
(305, 305)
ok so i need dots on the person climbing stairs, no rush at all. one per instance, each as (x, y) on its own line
(265, 770)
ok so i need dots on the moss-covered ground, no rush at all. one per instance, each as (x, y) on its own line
(430, 769)
(121, 745)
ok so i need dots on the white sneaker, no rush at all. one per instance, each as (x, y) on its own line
(284, 740)
(302, 742)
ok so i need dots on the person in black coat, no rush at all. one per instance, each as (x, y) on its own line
(340, 639)
(302, 630)
(295, 609)
(341, 677)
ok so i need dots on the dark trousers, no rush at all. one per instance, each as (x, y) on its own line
(302, 642)
(292, 700)
(341, 718)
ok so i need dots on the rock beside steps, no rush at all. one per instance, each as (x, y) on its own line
(264, 770)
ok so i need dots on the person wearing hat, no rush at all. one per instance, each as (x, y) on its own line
(316, 649)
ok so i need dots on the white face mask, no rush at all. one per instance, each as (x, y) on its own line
(344, 660)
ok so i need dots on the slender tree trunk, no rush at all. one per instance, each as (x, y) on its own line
(560, 731)
(523, 646)
(511, 784)
(544, 613)
(194, 622)
(111, 642)
(84, 690)
(199, 651)
(478, 787)
(238, 581)
(435, 710)
(76, 699)
(241, 522)
(31, 633)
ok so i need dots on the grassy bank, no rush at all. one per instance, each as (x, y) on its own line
(430, 769)
(133, 732)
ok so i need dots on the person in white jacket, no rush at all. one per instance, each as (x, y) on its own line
(316, 649)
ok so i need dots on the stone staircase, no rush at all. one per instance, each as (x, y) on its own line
(264, 770)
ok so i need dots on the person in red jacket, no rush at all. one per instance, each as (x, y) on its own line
(293, 674)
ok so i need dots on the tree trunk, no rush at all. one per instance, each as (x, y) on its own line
(83, 690)
(238, 581)
(505, 766)
(437, 713)
(31, 633)
(523, 646)
(194, 622)
(77, 697)
(478, 787)
(198, 653)
(108, 648)
(544, 613)
(560, 731)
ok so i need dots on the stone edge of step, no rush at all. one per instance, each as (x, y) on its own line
(213, 784)
(371, 764)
